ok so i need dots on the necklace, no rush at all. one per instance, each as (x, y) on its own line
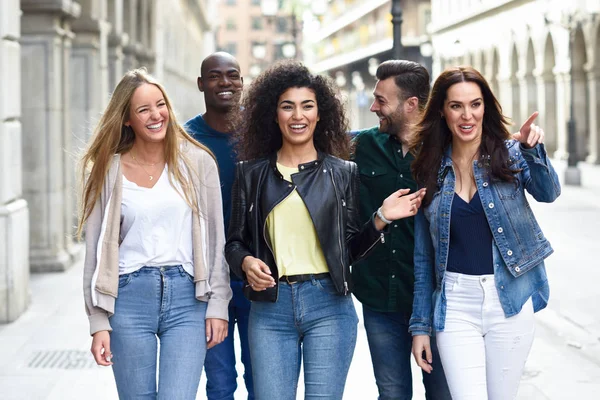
(151, 177)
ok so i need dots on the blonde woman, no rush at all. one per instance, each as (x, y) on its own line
(151, 207)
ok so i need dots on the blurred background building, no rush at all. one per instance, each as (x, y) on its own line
(59, 60)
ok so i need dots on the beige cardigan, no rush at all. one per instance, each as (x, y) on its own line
(101, 268)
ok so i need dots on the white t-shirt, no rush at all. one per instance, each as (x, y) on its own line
(156, 227)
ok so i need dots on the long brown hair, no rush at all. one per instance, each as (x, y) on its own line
(111, 137)
(432, 136)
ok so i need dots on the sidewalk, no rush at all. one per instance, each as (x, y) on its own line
(44, 355)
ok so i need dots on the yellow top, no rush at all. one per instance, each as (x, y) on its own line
(293, 236)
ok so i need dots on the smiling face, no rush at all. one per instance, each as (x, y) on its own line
(221, 82)
(388, 107)
(463, 110)
(148, 114)
(297, 116)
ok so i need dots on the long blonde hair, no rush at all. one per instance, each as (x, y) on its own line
(112, 137)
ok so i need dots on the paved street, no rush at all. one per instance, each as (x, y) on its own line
(44, 354)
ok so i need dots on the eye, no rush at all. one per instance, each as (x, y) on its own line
(234, 77)
(286, 107)
(143, 110)
(309, 106)
(476, 104)
(162, 104)
(213, 77)
(454, 106)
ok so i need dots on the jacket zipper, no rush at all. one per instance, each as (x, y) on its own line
(341, 232)
(380, 239)
(267, 242)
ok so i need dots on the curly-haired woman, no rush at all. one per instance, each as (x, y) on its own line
(295, 230)
(479, 252)
(154, 268)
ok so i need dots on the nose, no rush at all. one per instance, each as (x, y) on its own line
(297, 113)
(155, 113)
(466, 113)
(225, 81)
(374, 107)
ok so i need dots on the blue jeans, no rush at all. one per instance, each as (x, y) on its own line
(390, 344)
(158, 303)
(308, 320)
(219, 365)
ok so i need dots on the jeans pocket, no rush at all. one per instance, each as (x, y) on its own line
(125, 279)
(326, 285)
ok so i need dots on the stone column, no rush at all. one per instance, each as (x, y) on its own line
(593, 111)
(117, 39)
(528, 98)
(89, 70)
(546, 103)
(130, 21)
(14, 213)
(563, 95)
(47, 157)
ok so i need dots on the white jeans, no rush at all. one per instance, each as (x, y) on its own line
(482, 351)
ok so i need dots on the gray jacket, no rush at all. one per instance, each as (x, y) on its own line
(102, 231)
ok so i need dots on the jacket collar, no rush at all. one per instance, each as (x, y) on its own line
(301, 167)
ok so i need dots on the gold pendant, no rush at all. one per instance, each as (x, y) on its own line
(151, 177)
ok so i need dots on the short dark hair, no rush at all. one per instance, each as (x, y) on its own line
(411, 78)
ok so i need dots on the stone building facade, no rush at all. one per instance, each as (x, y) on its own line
(523, 48)
(59, 60)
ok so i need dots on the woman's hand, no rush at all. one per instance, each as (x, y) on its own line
(530, 134)
(400, 204)
(101, 348)
(216, 331)
(420, 344)
(258, 273)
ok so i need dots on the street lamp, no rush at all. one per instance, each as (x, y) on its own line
(397, 24)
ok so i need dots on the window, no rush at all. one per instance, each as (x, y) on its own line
(257, 24)
(282, 24)
(256, 2)
(230, 2)
(230, 48)
(230, 24)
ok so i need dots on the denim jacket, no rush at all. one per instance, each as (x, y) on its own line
(519, 246)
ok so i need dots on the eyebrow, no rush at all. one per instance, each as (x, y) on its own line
(474, 100)
(218, 71)
(146, 105)
(292, 103)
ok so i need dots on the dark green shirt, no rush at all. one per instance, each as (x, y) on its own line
(384, 280)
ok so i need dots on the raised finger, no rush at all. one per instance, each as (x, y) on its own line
(530, 120)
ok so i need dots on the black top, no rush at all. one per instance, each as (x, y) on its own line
(470, 250)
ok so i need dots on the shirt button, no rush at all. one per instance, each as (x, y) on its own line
(491, 205)
(485, 184)
(393, 251)
(401, 176)
(483, 280)
(399, 150)
(289, 185)
(302, 167)
(509, 252)
(517, 269)
(500, 230)
(395, 226)
(372, 172)
(393, 276)
(502, 287)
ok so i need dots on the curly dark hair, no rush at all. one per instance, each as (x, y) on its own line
(433, 135)
(257, 133)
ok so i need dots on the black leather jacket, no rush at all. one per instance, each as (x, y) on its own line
(329, 189)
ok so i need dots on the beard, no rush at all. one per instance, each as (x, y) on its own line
(394, 123)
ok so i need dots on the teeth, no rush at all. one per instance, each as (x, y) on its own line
(298, 126)
(466, 126)
(225, 93)
(155, 126)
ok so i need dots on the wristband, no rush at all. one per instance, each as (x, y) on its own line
(381, 217)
